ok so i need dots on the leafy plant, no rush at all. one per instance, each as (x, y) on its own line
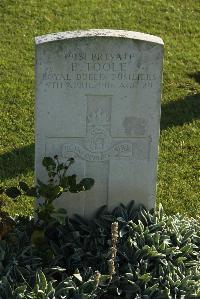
(59, 182)
(127, 253)
(70, 287)
(47, 215)
(154, 256)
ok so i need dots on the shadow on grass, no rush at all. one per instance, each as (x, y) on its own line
(180, 112)
(195, 76)
(16, 162)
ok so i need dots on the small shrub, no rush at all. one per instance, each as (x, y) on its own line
(59, 182)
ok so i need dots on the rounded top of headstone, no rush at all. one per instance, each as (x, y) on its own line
(98, 33)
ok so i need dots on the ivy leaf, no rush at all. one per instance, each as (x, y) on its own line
(13, 192)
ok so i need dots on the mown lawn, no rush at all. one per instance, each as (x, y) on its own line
(177, 22)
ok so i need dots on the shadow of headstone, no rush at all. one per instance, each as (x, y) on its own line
(16, 162)
(180, 112)
(195, 76)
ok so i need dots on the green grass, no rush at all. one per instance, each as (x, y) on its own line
(177, 22)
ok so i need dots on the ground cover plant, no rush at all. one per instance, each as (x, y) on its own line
(128, 253)
(177, 22)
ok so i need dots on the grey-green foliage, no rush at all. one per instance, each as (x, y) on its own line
(70, 287)
(42, 289)
(158, 256)
(18, 263)
(162, 254)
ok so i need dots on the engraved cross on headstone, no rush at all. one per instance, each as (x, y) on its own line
(99, 147)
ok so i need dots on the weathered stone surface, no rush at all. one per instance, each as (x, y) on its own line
(98, 100)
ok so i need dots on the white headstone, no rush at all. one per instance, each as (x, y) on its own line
(98, 100)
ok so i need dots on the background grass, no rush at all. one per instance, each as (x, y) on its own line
(176, 21)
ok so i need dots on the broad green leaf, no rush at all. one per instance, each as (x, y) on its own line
(50, 289)
(72, 184)
(42, 281)
(78, 276)
(145, 277)
(86, 184)
(50, 191)
(189, 234)
(49, 163)
(20, 290)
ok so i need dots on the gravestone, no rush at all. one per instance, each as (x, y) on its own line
(98, 100)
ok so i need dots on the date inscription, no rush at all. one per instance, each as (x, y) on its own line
(97, 70)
